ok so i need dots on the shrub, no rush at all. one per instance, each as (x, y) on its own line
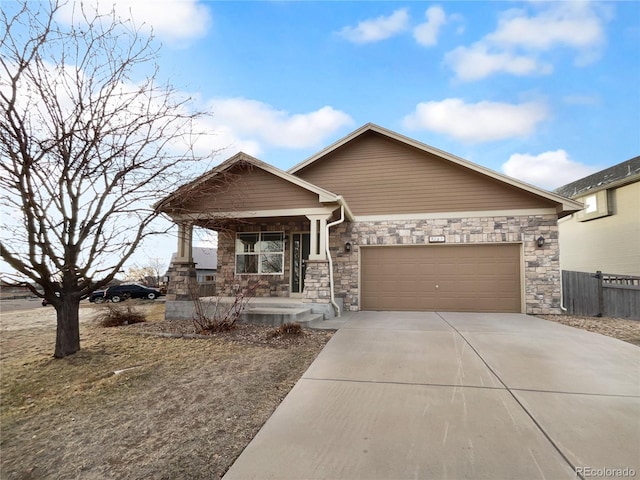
(218, 315)
(288, 329)
(117, 316)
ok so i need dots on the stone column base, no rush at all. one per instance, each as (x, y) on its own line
(182, 278)
(316, 282)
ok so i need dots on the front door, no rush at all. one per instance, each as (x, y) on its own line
(300, 248)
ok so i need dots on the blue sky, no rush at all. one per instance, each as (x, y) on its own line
(546, 92)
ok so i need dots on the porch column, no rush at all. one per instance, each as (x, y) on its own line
(185, 248)
(182, 276)
(318, 242)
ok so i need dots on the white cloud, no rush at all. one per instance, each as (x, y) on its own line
(426, 34)
(377, 29)
(547, 170)
(520, 39)
(478, 62)
(477, 122)
(253, 121)
(574, 24)
(171, 20)
(222, 139)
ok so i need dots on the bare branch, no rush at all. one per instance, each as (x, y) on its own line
(85, 151)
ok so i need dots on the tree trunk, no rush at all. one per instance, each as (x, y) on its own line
(68, 332)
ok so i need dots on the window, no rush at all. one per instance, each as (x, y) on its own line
(260, 253)
(596, 205)
(590, 204)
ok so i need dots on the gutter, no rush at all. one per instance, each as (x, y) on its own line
(329, 225)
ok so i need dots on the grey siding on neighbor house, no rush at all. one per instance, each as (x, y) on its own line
(378, 176)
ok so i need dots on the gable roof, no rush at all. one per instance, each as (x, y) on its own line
(205, 258)
(241, 158)
(566, 205)
(620, 174)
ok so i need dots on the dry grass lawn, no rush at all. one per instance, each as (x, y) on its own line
(623, 329)
(176, 408)
(140, 406)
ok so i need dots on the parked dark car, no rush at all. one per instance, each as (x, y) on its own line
(119, 293)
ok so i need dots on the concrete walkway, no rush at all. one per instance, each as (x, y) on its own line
(456, 396)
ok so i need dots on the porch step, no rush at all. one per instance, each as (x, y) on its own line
(309, 318)
(276, 316)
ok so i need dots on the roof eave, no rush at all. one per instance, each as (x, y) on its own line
(606, 186)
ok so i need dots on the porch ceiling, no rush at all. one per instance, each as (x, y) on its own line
(214, 223)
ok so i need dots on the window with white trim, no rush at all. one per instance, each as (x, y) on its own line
(596, 205)
(260, 253)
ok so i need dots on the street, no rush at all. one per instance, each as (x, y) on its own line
(20, 304)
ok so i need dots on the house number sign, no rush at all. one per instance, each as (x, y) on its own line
(437, 239)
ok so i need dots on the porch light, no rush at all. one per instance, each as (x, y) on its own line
(347, 247)
(540, 241)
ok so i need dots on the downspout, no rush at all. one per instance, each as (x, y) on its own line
(329, 225)
(562, 307)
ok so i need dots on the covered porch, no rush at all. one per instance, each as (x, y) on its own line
(273, 237)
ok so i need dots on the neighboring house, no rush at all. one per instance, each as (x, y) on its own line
(206, 263)
(376, 221)
(206, 260)
(605, 234)
(10, 290)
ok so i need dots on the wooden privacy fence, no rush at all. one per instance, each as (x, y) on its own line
(601, 294)
(207, 289)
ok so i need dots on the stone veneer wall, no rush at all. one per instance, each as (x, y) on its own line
(316, 282)
(541, 265)
(181, 275)
(227, 282)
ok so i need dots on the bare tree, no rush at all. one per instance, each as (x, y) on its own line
(85, 152)
(150, 272)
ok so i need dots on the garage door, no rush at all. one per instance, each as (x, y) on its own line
(464, 278)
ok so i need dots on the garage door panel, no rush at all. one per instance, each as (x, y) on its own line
(468, 278)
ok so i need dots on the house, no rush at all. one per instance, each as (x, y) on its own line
(605, 234)
(205, 264)
(375, 221)
(10, 290)
(205, 260)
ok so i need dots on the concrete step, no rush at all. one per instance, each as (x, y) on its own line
(276, 316)
(309, 319)
(332, 324)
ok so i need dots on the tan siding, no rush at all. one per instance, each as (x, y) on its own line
(469, 278)
(377, 175)
(610, 244)
(251, 188)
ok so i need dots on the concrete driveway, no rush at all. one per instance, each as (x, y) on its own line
(399, 395)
